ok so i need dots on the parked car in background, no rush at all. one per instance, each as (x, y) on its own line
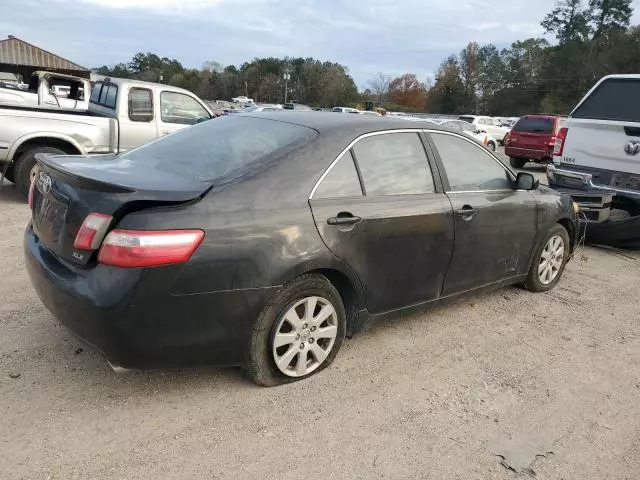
(532, 138)
(471, 131)
(596, 159)
(252, 241)
(296, 106)
(48, 89)
(344, 110)
(122, 114)
(489, 125)
(263, 107)
(242, 99)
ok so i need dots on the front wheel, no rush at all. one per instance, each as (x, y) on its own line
(298, 333)
(517, 162)
(549, 261)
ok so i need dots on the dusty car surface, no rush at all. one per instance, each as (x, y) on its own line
(262, 240)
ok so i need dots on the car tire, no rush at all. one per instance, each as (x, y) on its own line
(273, 326)
(517, 162)
(492, 146)
(25, 163)
(9, 174)
(548, 262)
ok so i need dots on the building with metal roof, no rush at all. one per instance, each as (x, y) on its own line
(23, 58)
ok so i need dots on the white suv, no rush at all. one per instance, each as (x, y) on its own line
(491, 126)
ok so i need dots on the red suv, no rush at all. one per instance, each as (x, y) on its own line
(532, 138)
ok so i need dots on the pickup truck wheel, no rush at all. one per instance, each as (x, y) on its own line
(492, 145)
(549, 261)
(517, 162)
(23, 166)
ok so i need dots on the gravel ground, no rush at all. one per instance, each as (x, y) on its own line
(416, 398)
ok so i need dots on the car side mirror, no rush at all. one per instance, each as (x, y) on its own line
(526, 181)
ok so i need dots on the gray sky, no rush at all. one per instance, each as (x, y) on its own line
(368, 36)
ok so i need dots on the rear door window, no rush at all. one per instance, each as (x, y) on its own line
(140, 105)
(222, 149)
(341, 181)
(393, 164)
(614, 99)
(534, 125)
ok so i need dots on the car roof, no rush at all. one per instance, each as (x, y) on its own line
(325, 122)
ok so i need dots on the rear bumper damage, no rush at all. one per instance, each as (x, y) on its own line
(609, 215)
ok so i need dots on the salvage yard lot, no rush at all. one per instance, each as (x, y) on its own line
(416, 398)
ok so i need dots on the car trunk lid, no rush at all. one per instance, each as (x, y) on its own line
(68, 188)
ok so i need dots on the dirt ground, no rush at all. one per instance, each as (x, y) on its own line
(419, 398)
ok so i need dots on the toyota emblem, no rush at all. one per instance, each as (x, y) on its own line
(46, 184)
(632, 148)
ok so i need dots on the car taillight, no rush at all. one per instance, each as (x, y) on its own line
(32, 185)
(143, 248)
(558, 145)
(92, 231)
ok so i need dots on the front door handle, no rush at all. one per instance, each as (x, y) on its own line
(343, 218)
(467, 212)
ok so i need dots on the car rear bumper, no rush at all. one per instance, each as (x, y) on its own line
(529, 153)
(574, 179)
(131, 316)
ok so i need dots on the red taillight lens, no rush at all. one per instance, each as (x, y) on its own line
(32, 185)
(92, 231)
(558, 146)
(140, 248)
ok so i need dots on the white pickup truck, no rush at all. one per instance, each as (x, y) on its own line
(596, 160)
(122, 114)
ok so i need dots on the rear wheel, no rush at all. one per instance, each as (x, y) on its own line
(517, 162)
(492, 145)
(549, 261)
(9, 174)
(298, 333)
(24, 166)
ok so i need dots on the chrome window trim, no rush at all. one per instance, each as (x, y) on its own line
(348, 147)
(485, 151)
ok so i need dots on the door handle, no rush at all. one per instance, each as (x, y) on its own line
(343, 218)
(467, 212)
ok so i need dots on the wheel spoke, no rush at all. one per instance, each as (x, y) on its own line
(327, 332)
(310, 308)
(547, 274)
(318, 352)
(324, 313)
(285, 360)
(542, 267)
(284, 339)
(301, 366)
(293, 318)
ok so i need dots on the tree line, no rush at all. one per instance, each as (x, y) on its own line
(594, 38)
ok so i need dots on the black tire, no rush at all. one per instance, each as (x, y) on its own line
(9, 175)
(260, 365)
(517, 162)
(492, 146)
(25, 163)
(533, 282)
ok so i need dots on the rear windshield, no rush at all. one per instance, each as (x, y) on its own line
(534, 125)
(614, 99)
(222, 149)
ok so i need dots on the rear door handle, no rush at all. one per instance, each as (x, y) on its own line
(343, 219)
(467, 212)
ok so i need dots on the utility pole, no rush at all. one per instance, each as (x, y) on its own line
(286, 77)
(246, 90)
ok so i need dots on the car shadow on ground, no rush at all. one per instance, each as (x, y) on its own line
(10, 194)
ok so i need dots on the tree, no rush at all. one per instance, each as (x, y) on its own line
(407, 91)
(469, 75)
(568, 21)
(609, 15)
(379, 86)
(447, 94)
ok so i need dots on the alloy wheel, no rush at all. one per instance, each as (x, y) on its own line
(551, 260)
(305, 336)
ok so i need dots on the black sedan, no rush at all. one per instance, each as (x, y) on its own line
(263, 239)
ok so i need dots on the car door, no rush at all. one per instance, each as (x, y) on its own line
(495, 225)
(379, 209)
(177, 111)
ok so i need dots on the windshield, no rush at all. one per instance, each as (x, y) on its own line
(222, 149)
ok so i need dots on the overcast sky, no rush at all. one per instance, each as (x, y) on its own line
(368, 36)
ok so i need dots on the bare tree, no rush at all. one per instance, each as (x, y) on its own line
(379, 86)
